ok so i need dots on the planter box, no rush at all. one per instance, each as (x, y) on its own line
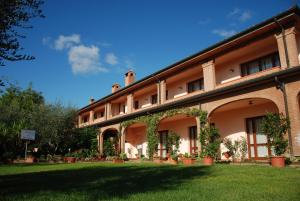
(70, 159)
(157, 160)
(188, 161)
(30, 160)
(207, 160)
(172, 162)
(118, 161)
(278, 161)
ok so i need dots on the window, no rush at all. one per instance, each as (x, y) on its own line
(121, 108)
(98, 114)
(193, 139)
(154, 99)
(136, 104)
(260, 64)
(85, 119)
(195, 85)
(167, 94)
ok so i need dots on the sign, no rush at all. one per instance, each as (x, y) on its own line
(28, 135)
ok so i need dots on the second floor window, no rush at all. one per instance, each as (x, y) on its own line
(99, 114)
(195, 85)
(85, 119)
(136, 105)
(260, 64)
(154, 99)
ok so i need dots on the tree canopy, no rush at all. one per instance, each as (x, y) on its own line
(14, 16)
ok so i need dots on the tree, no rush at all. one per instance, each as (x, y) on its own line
(275, 127)
(15, 15)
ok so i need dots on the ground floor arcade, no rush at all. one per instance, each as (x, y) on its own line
(236, 117)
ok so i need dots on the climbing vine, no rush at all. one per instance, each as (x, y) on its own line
(152, 121)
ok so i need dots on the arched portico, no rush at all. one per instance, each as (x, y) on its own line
(240, 119)
(183, 125)
(110, 136)
(135, 140)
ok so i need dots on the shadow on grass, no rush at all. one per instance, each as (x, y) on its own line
(100, 183)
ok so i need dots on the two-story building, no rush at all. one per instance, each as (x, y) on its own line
(237, 81)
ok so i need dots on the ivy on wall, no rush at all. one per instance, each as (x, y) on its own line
(152, 122)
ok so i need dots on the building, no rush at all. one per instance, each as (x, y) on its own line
(237, 81)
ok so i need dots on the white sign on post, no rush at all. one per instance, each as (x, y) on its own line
(28, 135)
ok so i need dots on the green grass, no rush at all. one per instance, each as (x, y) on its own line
(105, 181)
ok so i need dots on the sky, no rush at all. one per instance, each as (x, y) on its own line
(82, 47)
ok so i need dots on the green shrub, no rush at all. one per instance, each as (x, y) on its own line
(275, 127)
(210, 141)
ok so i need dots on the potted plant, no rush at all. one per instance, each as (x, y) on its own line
(173, 147)
(120, 159)
(275, 127)
(226, 154)
(157, 159)
(210, 144)
(70, 158)
(188, 159)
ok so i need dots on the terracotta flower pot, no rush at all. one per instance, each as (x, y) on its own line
(70, 159)
(278, 161)
(118, 161)
(207, 160)
(227, 155)
(188, 161)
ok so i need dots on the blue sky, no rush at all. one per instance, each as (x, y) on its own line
(83, 47)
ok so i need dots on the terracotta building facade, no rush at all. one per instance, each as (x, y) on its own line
(237, 81)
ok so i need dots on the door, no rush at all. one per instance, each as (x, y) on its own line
(193, 139)
(258, 143)
(162, 147)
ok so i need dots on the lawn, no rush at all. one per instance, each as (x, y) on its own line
(106, 181)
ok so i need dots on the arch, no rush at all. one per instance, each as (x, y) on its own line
(110, 136)
(240, 119)
(181, 124)
(135, 142)
(215, 108)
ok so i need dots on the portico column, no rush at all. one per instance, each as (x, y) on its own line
(209, 75)
(91, 119)
(129, 103)
(163, 90)
(107, 111)
(198, 136)
(122, 141)
(287, 44)
(100, 143)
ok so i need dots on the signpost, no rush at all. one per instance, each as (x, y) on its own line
(28, 135)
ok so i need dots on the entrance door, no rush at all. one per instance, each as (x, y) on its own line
(258, 144)
(193, 139)
(162, 147)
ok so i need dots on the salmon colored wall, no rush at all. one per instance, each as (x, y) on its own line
(224, 70)
(181, 127)
(231, 124)
(135, 137)
(145, 100)
(179, 88)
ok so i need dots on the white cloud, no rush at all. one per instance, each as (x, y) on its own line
(241, 15)
(246, 15)
(128, 63)
(234, 12)
(85, 59)
(65, 42)
(224, 33)
(46, 40)
(111, 59)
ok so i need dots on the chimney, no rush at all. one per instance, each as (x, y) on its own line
(115, 87)
(91, 100)
(129, 78)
